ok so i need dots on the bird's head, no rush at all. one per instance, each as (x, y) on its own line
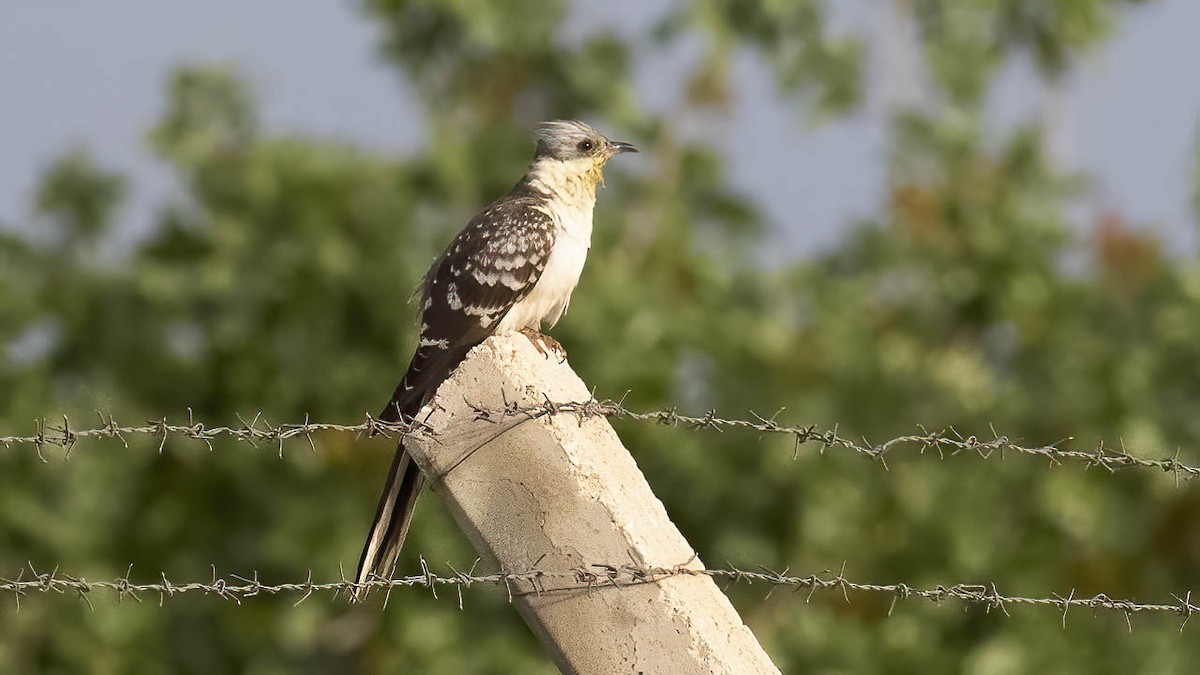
(571, 151)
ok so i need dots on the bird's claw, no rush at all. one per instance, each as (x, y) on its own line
(545, 344)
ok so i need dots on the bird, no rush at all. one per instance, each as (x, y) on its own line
(512, 269)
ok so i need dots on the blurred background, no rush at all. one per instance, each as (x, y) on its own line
(881, 214)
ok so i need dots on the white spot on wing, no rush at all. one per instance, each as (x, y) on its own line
(486, 278)
(479, 310)
(512, 281)
(515, 262)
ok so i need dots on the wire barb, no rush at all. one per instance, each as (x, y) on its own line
(254, 431)
(947, 442)
(237, 588)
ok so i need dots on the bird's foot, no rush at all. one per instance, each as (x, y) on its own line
(545, 344)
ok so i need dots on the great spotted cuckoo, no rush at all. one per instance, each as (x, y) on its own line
(511, 269)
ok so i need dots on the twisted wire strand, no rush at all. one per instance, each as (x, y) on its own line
(589, 578)
(946, 442)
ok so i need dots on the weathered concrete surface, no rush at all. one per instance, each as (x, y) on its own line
(556, 493)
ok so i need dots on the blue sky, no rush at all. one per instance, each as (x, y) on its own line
(85, 73)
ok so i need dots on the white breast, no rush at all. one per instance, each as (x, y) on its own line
(550, 297)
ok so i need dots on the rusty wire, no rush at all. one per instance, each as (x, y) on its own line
(946, 442)
(582, 579)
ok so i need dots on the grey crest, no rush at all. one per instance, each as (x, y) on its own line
(569, 139)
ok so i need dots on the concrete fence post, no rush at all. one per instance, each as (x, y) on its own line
(560, 493)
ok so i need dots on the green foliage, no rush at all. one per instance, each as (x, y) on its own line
(965, 41)
(78, 196)
(278, 281)
(211, 115)
(791, 36)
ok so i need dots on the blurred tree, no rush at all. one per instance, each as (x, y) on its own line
(277, 281)
(793, 39)
(79, 197)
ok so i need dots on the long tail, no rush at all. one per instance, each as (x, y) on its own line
(392, 518)
(429, 368)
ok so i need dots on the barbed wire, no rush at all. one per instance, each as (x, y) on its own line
(587, 578)
(255, 431)
(946, 442)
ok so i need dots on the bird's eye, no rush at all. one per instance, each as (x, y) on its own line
(585, 146)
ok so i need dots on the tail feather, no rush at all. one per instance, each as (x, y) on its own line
(392, 519)
(395, 511)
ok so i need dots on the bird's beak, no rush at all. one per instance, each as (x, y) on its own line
(617, 147)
